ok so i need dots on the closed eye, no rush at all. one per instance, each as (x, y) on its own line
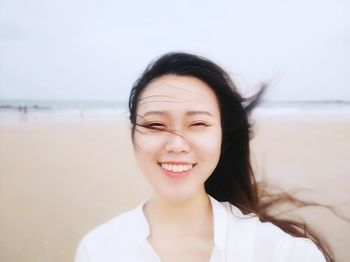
(155, 126)
(199, 124)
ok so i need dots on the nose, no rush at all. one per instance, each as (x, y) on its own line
(176, 144)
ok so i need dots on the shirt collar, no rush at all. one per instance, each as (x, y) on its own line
(140, 227)
(220, 217)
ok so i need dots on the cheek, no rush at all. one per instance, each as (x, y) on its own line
(208, 144)
(146, 145)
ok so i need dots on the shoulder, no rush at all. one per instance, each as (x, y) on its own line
(267, 241)
(110, 239)
(111, 230)
(286, 247)
(300, 249)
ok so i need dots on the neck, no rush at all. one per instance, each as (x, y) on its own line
(187, 215)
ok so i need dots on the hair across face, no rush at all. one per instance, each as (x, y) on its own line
(178, 135)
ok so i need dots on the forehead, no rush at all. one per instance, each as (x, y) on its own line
(178, 93)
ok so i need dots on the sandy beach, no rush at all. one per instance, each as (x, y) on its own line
(63, 174)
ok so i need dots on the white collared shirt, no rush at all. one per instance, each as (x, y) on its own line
(237, 237)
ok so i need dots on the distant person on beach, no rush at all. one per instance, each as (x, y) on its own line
(191, 132)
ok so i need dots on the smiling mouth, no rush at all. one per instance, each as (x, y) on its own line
(176, 170)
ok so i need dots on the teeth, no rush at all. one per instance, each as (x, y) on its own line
(177, 168)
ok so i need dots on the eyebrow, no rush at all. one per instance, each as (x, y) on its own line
(189, 113)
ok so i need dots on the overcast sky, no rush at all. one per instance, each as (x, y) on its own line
(94, 50)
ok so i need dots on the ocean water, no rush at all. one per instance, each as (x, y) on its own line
(14, 111)
(61, 104)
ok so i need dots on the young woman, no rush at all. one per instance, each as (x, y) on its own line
(191, 132)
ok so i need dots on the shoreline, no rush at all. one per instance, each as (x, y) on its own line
(293, 112)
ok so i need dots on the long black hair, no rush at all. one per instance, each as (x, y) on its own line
(233, 179)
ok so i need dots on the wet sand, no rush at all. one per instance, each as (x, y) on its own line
(59, 179)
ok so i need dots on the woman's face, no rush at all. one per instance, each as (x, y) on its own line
(178, 161)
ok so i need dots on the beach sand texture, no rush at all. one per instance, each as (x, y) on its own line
(58, 180)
